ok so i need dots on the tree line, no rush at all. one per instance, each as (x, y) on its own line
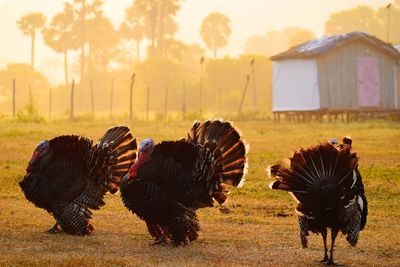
(382, 22)
(109, 55)
(82, 26)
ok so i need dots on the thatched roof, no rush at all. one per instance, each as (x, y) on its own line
(323, 45)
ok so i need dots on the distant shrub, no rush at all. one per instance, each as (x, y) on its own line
(30, 112)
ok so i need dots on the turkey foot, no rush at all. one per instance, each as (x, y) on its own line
(54, 230)
(324, 260)
(162, 240)
(331, 262)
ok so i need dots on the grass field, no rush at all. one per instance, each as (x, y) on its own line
(260, 230)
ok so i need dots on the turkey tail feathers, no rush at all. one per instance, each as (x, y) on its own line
(121, 149)
(222, 157)
(310, 167)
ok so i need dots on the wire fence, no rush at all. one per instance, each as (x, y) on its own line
(94, 101)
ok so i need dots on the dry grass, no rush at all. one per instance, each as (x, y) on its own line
(254, 233)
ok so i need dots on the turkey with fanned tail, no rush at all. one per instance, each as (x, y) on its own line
(325, 181)
(69, 175)
(172, 179)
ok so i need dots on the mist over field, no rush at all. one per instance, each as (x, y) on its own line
(187, 56)
(288, 75)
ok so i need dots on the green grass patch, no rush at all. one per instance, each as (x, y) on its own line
(259, 229)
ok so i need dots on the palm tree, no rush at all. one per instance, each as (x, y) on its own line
(85, 11)
(29, 24)
(101, 39)
(59, 35)
(166, 24)
(215, 31)
(134, 25)
(159, 15)
(150, 9)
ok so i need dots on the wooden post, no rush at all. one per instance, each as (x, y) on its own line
(92, 97)
(148, 103)
(50, 103)
(72, 100)
(254, 83)
(201, 85)
(184, 99)
(244, 93)
(30, 94)
(166, 103)
(388, 22)
(111, 97)
(130, 95)
(13, 98)
(33, 49)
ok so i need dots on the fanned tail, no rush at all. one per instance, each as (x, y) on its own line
(119, 150)
(322, 179)
(222, 157)
(314, 168)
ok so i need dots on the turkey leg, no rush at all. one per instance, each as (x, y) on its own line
(324, 233)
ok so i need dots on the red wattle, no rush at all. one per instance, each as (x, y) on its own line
(134, 170)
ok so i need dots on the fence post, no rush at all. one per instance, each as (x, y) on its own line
(92, 96)
(50, 103)
(254, 83)
(201, 84)
(130, 95)
(244, 93)
(166, 103)
(148, 103)
(13, 98)
(72, 99)
(111, 97)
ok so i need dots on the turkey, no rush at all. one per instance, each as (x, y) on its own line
(69, 175)
(325, 181)
(172, 179)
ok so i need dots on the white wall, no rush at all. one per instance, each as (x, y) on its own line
(295, 85)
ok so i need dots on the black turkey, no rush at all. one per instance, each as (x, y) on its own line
(172, 179)
(325, 181)
(68, 175)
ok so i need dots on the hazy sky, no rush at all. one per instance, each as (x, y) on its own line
(248, 17)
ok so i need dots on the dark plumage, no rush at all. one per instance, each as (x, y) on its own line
(325, 181)
(68, 175)
(172, 179)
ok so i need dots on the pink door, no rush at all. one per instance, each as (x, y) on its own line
(368, 85)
